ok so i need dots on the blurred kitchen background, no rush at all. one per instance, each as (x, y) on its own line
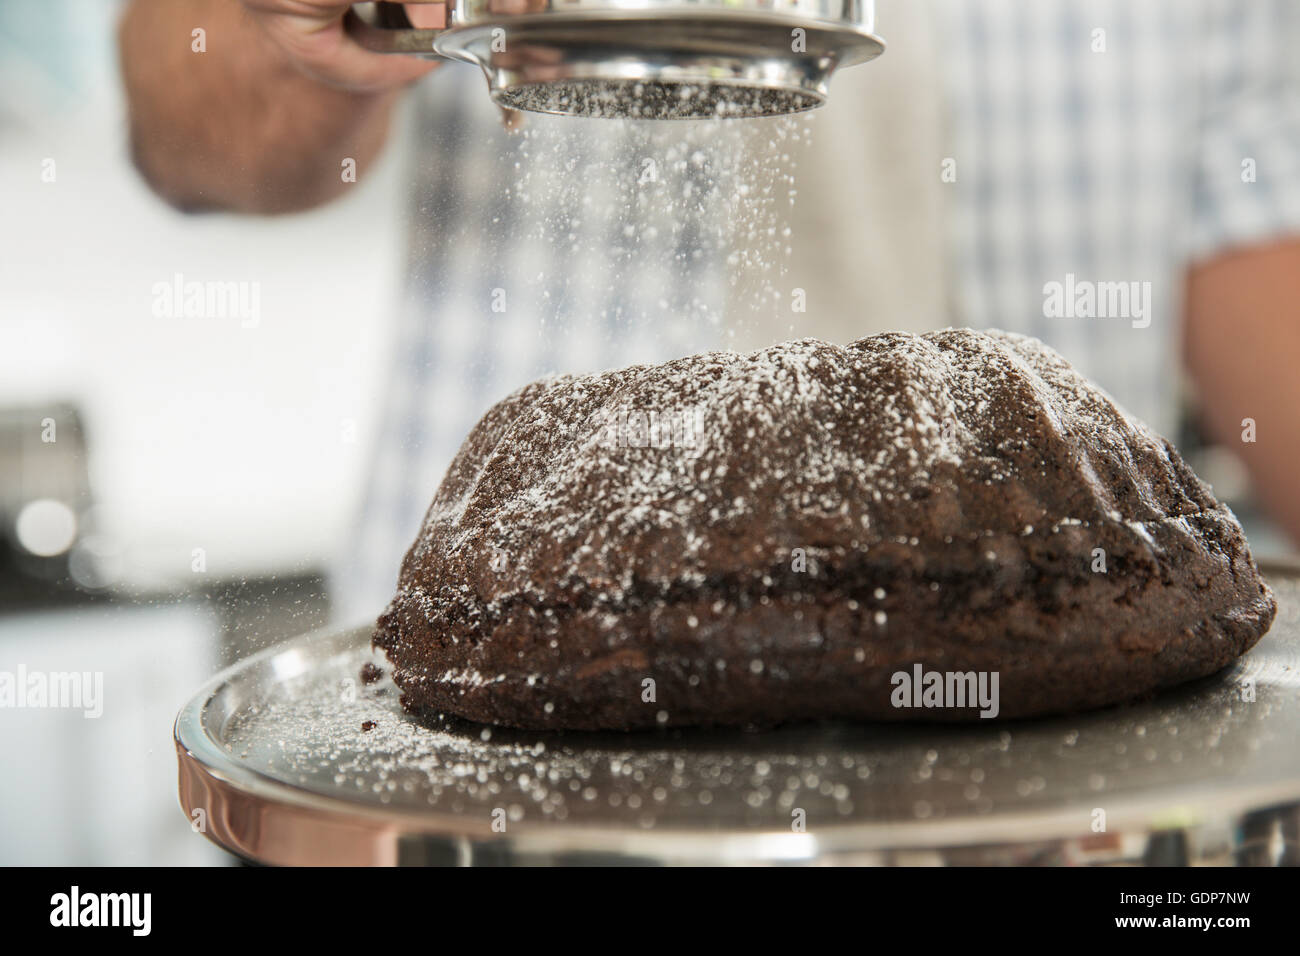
(178, 444)
(172, 489)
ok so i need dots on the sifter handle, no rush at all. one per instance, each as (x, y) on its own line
(384, 28)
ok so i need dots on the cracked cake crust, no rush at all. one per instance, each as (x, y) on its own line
(829, 516)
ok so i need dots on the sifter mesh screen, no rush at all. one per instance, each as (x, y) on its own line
(661, 99)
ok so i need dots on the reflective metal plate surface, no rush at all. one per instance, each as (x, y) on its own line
(292, 759)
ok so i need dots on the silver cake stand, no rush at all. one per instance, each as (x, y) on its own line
(290, 758)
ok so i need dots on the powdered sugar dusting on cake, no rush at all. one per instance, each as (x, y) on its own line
(948, 436)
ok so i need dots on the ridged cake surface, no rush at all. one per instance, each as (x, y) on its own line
(754, 538)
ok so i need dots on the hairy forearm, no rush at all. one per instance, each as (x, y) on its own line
(237, 127)
(1242, 347)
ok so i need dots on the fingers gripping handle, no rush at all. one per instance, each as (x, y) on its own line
(385, 28)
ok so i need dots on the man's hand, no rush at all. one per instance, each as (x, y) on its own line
(1242, 342)
(262, 119)
(310, 33)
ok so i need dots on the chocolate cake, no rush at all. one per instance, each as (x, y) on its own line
(812, 531)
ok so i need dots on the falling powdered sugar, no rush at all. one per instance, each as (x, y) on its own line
(653, 235)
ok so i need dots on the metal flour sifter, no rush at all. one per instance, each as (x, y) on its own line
(652, 59)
